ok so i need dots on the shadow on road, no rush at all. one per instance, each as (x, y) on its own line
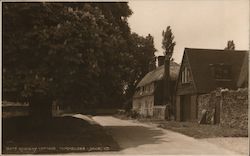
(133, 136)
(21, 135)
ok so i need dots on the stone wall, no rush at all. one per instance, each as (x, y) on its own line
(231, 104)
(234, 111)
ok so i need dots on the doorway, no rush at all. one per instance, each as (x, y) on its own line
(185, 107)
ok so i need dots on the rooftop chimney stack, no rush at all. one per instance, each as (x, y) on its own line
(161, 60)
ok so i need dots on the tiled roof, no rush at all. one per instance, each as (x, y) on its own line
(200, 61)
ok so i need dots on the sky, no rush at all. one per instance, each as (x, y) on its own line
(195, 24)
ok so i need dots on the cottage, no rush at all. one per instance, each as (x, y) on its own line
(148, 99)
(204, 70)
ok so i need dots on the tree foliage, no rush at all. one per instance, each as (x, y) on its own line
(70, 51)
(168, 42)
(76, 53)
(230, 45)
(142, 53)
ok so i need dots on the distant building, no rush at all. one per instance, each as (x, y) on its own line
(148, 99)
(204, 70)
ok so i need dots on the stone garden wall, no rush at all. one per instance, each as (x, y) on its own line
(234, 112)
(233, 105)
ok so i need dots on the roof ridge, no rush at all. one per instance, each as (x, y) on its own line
(223, 50)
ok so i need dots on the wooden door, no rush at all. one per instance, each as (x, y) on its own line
(185, 107)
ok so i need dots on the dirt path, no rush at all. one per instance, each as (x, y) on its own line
(138, 138)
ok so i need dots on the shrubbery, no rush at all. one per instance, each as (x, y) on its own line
(133, 114)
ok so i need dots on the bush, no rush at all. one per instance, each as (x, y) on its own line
(127, 106)
(121, 111)
(133, 114)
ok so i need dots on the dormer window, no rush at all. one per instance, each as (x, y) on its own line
(221, 71)
(185, 76)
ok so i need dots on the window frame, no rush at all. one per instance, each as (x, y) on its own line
(221, 72)
(186, 76)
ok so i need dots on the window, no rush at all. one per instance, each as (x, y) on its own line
(150, 88)
(221, 71)
(185, 75)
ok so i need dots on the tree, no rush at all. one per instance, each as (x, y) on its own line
(230, 45)
(168, 45)
(71, 52)
(141, 53)
(168, 42)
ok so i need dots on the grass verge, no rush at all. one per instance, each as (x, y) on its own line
(193, 129)
(202, 131)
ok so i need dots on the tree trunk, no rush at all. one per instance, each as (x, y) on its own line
(40, 108)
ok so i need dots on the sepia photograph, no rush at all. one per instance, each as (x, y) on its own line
(138, 77)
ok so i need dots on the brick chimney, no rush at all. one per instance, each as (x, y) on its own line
(161, 60)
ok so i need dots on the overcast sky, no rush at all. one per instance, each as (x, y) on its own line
(195, 24)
